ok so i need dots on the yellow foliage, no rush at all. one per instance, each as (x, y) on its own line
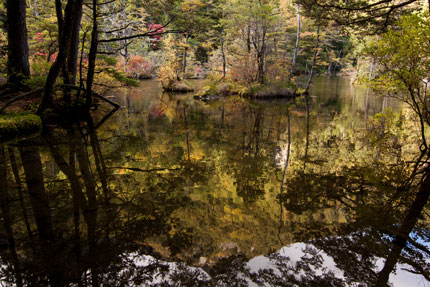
(191, 5)
(168, 73)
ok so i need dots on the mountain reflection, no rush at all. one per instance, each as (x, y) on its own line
(174, 192)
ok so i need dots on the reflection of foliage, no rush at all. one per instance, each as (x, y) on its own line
(250, 180)
(199, 184)
(340, 177)
(230, 271)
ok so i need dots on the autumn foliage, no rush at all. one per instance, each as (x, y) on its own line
(136, 67)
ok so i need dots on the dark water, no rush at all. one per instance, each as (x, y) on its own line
(169, 191)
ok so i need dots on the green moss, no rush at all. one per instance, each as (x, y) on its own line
(13, 125)
(217, 88)
(124, 79)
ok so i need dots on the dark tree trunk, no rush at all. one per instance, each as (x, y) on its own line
(98, 157)
(261, 73)
(40, 204)
(72, 58)
(19, 188)
(92, 57)
(401, 239)
(69, 70)
(65, 29)
(18, 67)
(34, 178)
(59, 12)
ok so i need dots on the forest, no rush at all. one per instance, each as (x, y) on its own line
(250, 48)
(214, 143)
(258, 49)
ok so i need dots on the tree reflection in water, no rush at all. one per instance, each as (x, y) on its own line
(194, 186)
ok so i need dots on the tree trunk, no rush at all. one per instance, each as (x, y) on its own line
(54, 71)
(261, 58)
(69, 70)
(248, 39)
(35, 9)
(314, 59)
(18, 67)
(299, 27)
(72, 57)
(184, 68)
(261, 69)
(224, 63)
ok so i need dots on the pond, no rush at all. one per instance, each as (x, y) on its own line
(172, 191)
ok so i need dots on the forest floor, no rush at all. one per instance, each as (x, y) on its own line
(18, 118)
(25, 104)
(22, 105)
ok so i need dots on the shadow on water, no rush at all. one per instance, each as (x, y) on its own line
(168, 183)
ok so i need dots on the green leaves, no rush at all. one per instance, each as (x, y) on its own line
(402, 55)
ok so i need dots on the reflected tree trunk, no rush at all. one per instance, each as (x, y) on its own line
(88, 204)
(67, 169)
(7, 221)
(39, 201)
(32, 164)
(284, 172)
(401, 239)
(366, 112)
(76, 193)
(305, 160)
(221, 127)
(90, 214)
(257, 130)
(98, 156)
(187, 133)
(18, 183)
(269, 130)
(90, 188)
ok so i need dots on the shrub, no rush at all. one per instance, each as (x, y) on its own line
(137, 67)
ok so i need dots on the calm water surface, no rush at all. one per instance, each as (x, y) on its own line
(171, 191)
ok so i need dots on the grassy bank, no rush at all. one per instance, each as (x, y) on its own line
(218, 88)
(19, 124)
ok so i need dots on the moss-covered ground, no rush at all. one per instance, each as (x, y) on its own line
(18, 124)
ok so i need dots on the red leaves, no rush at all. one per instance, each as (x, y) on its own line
(156, 31)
